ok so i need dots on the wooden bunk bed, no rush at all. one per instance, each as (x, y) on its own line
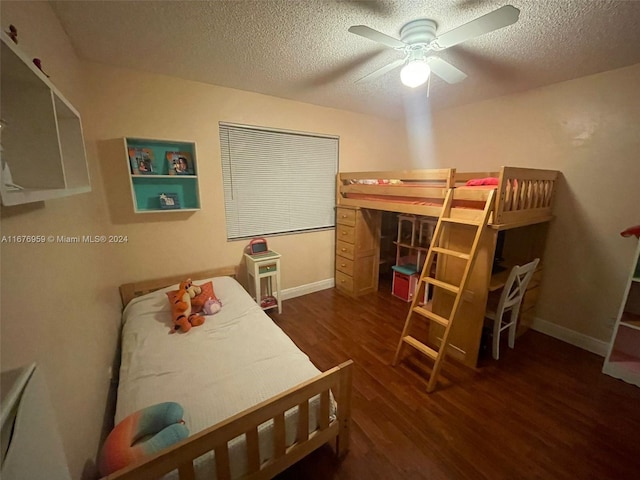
(268, 436)
(516, 234)
(524, 195)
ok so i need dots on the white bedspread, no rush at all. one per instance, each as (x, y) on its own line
(238, 358)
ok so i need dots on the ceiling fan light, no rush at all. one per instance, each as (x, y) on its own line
(415, 73)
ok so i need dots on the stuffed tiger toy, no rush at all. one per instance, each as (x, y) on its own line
(181, 314)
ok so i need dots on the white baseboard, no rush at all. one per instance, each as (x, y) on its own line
(308, 288)
(572, 337)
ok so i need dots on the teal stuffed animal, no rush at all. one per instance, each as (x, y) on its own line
(142, 434)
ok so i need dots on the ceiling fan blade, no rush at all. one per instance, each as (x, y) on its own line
(502, 17)
(445, 70)
(381, 71)
(376, 36)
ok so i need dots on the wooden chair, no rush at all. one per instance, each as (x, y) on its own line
(510, 301)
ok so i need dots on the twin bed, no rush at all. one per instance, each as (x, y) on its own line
(253, 402)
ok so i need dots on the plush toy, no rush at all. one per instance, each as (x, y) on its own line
(142, 434)
(212, 306)
(206, 302)
(181, 313)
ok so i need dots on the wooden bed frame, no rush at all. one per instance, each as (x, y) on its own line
(215, 438)
(524, 195)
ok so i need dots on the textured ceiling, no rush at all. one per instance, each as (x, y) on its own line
(302, 50)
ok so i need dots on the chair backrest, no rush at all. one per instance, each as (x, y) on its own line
(516, 285)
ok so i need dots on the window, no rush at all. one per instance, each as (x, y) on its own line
(277, 181)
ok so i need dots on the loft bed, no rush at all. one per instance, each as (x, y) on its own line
(516, 234)
(524, 195)
(253, 402)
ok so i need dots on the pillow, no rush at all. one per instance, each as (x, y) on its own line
(141, 434)
(197, 303)
(475, 182)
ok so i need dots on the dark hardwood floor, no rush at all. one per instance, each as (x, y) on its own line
(543, 411)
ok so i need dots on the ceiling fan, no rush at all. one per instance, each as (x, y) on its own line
(418, 38)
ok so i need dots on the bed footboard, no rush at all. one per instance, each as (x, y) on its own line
(182, 455)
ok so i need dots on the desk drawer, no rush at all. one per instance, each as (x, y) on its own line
(344, 265)
(346, 216)
(346, 234)
(344, 282)
(267, 268)
(345, 249)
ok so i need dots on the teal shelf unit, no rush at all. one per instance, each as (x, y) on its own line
(148, 187)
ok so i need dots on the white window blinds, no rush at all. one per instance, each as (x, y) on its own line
(277, 182)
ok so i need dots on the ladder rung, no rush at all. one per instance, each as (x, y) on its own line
(432, 316)
(429, 352)
(441, 284)
(460, 220)
(452, 253)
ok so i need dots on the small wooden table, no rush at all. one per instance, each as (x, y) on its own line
(265, 265)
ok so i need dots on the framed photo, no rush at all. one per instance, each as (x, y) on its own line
(141, 161)
(180, 163)
(169, 201)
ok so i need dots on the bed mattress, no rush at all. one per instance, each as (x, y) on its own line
(459, 202)
(236, 359)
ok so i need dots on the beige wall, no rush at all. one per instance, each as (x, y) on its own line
(589, 130)
(60, 305)
(128, 103)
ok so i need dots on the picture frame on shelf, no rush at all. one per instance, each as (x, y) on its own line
(169, 201)
(141, 161)
(180, 163)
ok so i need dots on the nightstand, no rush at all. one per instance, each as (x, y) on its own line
(265, 265)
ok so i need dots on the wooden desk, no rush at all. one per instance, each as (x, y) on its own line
(499, 279)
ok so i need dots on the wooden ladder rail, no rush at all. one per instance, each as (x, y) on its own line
(445, 220)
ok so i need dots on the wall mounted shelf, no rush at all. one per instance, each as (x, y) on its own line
(43, 153)
(623, 357)
(163, 175)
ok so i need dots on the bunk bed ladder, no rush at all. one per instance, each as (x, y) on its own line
(444, 223)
